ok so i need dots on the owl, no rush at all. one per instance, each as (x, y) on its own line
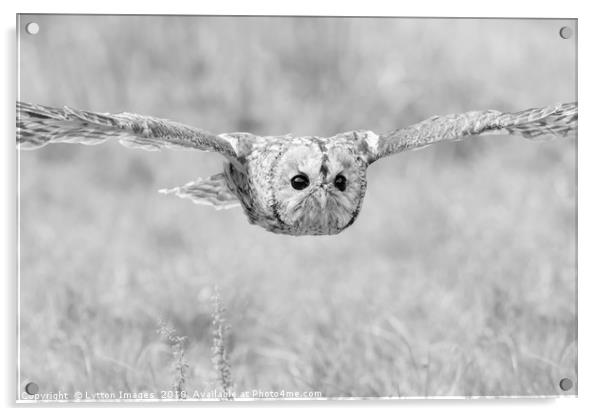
(289, 185)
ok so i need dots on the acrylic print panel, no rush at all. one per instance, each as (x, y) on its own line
(456, 278)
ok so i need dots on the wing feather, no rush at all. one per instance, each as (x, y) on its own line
(39, 125)
(556, 120)
(211, 191)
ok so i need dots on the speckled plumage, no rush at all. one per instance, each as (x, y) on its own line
(261, 170)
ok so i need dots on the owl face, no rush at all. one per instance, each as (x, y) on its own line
(317, 187)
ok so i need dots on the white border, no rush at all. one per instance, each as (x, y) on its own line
(590, 208)
(429, 8)
(18, 230)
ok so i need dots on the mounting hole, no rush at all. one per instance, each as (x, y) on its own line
(32, 28)
(31, 388)
(566, 32)
(566, 384)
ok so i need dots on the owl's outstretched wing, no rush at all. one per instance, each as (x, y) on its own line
(39, 125)
(555, 120)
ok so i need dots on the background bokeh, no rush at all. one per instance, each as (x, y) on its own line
(458, 278)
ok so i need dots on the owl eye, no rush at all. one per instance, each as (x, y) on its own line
(340, 182)
(300, 181)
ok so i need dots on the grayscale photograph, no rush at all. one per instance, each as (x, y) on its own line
(295, 208)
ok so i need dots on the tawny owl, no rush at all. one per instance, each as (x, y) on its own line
(289, 185)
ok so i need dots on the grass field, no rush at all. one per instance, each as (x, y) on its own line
(458, 278)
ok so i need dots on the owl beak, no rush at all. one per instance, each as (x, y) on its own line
(322, 198)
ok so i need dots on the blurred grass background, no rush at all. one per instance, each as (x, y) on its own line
(459, 277)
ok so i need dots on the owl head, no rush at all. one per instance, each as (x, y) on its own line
(317, 186)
